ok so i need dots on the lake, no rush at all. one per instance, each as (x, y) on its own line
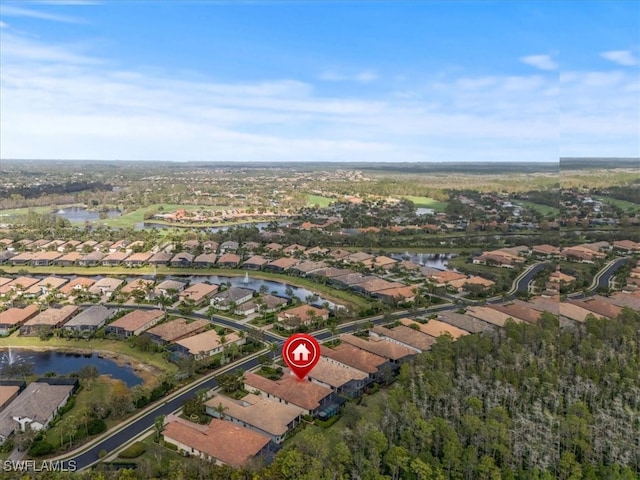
(81, 214)
(63, 363)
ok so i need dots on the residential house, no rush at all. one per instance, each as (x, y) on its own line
(293, 249)
(183, 260)
(92, 259)
(249, 412)
(464, 322)
(345, 354)
(626, 247)
(174, 330)
(160, 259)
(222, 442)
(205, 260)
(76, 285)
(210, 246)
(138, 259)
(307, 267)
(87, 246)
(233, 295)
(9, 391)
(114, 259)
(302, 315)
(90, 320)
(281, 264)
(15, 317)
(311, 398)
(167, 287)
(23, 258)
(44, 259)
(36, 406)
(545, 251)
(342, 379)
(372, 285)
(393, 352)
(392, 295)
(198, 292)
(229, 260)
(405, 336)
(141, 285)
(190, 245)
(435, 328)
(5, 256)
(69, 259)
(490, 315)
(135, 322)
(519, 311)
(45, 286)
(255, 263)
(272, 247)
(20, 284)
(206, 344)
(48, 320)
(105, 287)
(229, 246)
(271, 303)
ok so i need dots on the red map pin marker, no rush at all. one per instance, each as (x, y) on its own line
(301, 353)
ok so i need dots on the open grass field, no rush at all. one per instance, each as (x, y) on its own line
(23, 211)
(543, 209)
(426, 202)
(129, 220)
(337, 296)
(623, 204)
(319, 200)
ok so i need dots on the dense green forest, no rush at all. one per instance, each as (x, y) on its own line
(523, 402)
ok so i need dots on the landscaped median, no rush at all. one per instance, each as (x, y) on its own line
(338, 296)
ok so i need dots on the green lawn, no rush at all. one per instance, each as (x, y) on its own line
(319, 200)
(130, 219)
(543, 209)
(623, 204)
(427, 202)
(23, 211)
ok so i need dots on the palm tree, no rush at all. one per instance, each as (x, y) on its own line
(158, 424)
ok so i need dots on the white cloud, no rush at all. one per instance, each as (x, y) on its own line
(365, 76)
(542, 62)
(621, 57)
(60, 102)
(11, 11)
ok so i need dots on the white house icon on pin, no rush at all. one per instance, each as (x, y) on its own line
(301, 353)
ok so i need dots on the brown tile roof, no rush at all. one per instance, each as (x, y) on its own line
(625, 300)
(177, 329)
(229, 258)
(525, 313)
(115, 256)
(257, 260)
(80, 282)
(70, 257)
(303, 394)
(464, 321)
(575, 312)
(384, 348)
(332, 374)
(406, 335)
(267, 415)
(403, 292)
(435, 328)
(354, 357)
(599, 306)
(198, 291)
(284, 263)
(17, 316)
(551, 305)
(24, 282)
(53, 316)
(136, 319)
(46, 256)
(141, 257)
(206, 341)
(222, 440)
(299, 315)
(137, 284)
(490, 315)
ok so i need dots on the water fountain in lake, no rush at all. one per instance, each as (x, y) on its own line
(246, 278)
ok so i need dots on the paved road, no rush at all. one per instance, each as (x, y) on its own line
(603, 277)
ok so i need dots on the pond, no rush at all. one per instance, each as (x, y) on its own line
(279, 288)
(435, 260)
(81, 214)
(63, 363)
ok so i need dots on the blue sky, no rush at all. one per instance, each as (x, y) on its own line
(319, 80)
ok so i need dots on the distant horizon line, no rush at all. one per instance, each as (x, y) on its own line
(289, 162)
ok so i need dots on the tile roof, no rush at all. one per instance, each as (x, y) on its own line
(96, 316)
(354, 357)
(267, 415)
(136, 319)
(408, 336)
(17, 316)
(177, 329)
(384, 348)
(303, 394)
(222, 440)
(335, 375)
(435, 328)
(206, 341)
(53, 316)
